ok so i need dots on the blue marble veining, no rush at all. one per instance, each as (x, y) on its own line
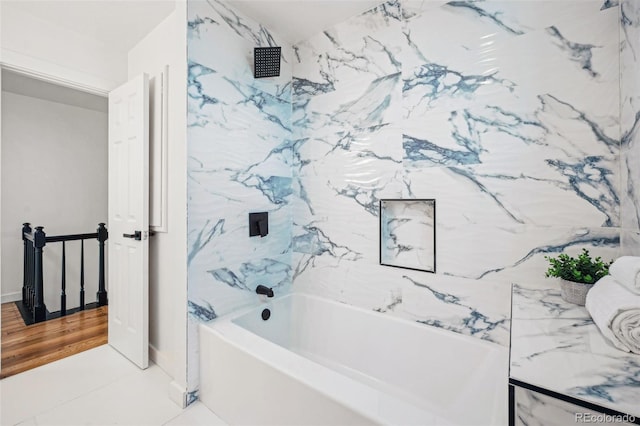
(202, 313)
(240, 159)
(542, 301)
(278, 273)
(260, 37)
(519, 146)
(610, 3)
(474, 323)
(589, 177)
(630, 117)
(192, 397)
(613, 383)
(371, 105)
(580, 53)
(612, 143)
(359, 106)
(556, 346)
(468, 126)
(302, 86)
(389, 10)
(536, 409)
(195, 91)
(204, 237)
(426, 151)
(432, 82)
(367, 198)
(396, 300)
(585, 238)
(194, 24)
(314, 247)
(343, 55)
(268, 105)
(370, 162)
(510, 122)
(227, 38)
(485, 190)
(476, 8)
(315, 242)
(629, 135)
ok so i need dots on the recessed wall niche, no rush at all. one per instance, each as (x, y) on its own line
(408, 234)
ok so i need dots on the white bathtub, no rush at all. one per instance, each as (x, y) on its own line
(320, 362)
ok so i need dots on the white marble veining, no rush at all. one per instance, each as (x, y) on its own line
(492, 121)
(630, 123)
(535, 409)
(509, 114)
(556, 346)
(630, 242)
(363, 48)
(240, 156)
(222, 39)
(360, 105)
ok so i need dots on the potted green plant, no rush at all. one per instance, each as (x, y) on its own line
(577, 274)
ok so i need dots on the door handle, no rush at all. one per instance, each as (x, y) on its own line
(137, 235)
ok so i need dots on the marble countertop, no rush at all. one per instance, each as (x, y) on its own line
(556, 346)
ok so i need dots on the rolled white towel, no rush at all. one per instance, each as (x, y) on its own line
(616, 312)
(626, 270)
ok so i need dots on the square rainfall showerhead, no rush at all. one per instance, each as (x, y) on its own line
(266, 62)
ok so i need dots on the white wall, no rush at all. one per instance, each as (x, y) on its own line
(54, 174)
(1, 204)
(42, 48)
(166, 45)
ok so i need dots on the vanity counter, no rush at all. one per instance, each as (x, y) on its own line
(557, 351)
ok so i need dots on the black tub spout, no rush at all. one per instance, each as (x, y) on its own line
(261, 289)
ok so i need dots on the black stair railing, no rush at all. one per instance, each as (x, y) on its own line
(33, 285)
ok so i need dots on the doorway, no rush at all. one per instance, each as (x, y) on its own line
(54, 174)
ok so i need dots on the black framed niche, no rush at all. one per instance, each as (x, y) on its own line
(408, 233)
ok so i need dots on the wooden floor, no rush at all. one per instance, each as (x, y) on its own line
(26, 347)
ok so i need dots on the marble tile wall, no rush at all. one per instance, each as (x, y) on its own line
(535, 409)
(240, 155)
(630, 123)
(507, 113)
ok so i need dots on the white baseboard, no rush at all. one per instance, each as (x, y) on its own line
(159, 359)
(12, 297)
(178, 394)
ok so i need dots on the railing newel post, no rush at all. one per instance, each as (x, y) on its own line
(26, 229)
(39, 308)
(101, 296)
(34, 241)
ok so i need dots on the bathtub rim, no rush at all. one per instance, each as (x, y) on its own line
(267, 303)
(307, 371)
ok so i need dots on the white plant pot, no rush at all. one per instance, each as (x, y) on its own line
(573, 292)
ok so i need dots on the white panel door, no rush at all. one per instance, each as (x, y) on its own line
(129, 220)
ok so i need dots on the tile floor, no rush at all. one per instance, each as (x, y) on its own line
(96, 387)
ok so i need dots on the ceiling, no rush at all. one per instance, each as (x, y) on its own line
(297, 20)
(23, 85)
(123, 23)
(120, 23)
